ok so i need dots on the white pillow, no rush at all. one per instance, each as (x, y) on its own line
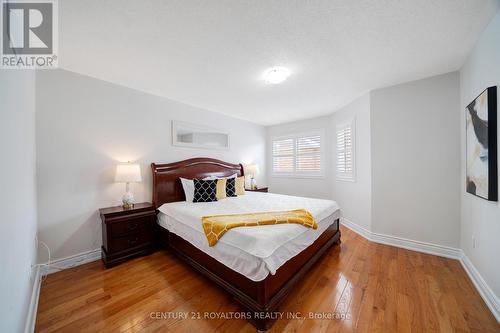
(215, 177)
(188, 186)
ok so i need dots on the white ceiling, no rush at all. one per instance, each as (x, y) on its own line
(212, 54)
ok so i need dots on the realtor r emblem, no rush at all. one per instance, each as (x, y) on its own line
(29, 34)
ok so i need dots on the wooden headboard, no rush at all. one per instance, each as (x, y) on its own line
(167, 186)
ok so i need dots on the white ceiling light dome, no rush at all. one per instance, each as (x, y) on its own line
(277, 74)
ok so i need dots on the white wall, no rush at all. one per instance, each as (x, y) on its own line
(85, 126)
(415, 160)
(306, 187)
(355, 197)
(481, 218)
(17, 196)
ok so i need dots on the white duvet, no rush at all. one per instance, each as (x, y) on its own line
(266, 247)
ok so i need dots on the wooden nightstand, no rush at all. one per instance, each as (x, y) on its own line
(127, 233)
(260, 189)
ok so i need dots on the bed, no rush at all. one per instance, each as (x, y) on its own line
(258, 266)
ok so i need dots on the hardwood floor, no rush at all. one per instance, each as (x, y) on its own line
(373, 287)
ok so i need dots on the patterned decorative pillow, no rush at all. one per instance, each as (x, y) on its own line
(205, 190)
(230, 187)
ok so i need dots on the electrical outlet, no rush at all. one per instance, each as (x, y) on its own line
(30, 272)
(473, 242)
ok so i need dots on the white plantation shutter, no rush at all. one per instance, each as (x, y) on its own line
(283, 155)
(309, 154)
(300, 155)
(345, 151)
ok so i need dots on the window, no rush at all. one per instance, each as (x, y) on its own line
(345, 151)
(298, 155)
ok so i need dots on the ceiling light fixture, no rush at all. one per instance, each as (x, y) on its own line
(276, 75)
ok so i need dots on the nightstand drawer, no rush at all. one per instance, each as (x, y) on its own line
(140, 238)
(132, 225)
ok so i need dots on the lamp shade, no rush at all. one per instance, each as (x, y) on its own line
(128, 173)
(251, 169)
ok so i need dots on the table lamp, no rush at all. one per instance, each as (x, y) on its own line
(252, 170)
(128, 173)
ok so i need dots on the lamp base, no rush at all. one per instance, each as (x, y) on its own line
(253, 184)
(128, 200)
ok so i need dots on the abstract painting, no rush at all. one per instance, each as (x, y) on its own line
(481, 149)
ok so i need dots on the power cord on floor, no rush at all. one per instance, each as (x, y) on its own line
(48, 265)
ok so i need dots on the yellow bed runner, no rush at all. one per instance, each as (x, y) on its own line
(215, 226)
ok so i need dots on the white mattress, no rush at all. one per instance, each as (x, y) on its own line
(252, 251)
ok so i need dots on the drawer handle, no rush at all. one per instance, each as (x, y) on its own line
(132, 226)
(133, 241)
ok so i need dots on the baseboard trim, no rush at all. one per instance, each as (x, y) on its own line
(33, 306)
(424, 247)
(72, 261)
(365, 233)
(482, 287)
(55, 266)
(409, 244)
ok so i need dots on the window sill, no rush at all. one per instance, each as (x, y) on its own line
(347, 180)
(298, 176)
